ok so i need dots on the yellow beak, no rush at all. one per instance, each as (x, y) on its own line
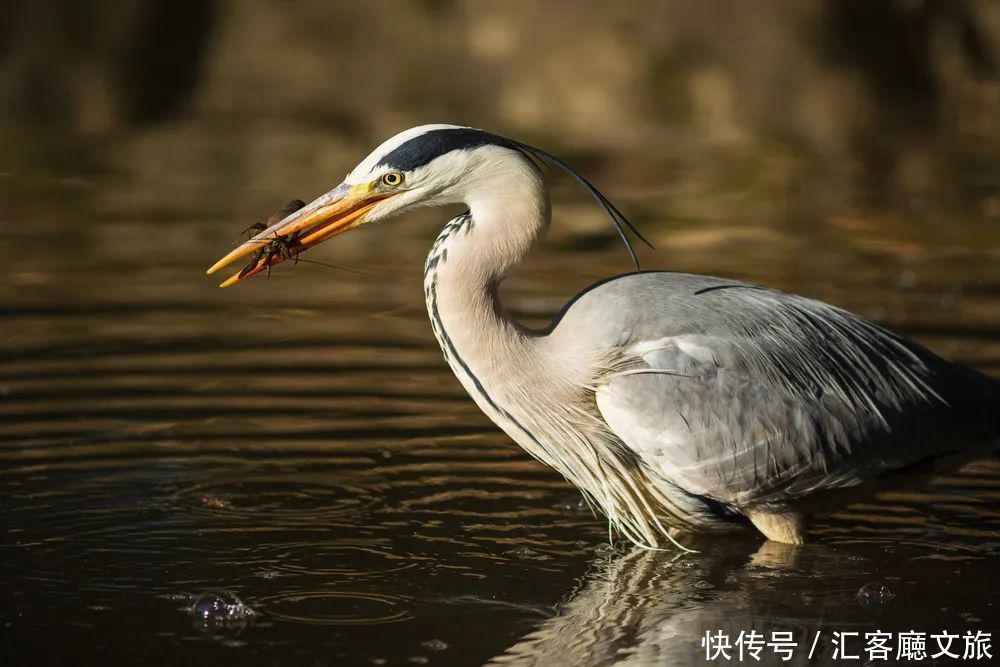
(334, 213)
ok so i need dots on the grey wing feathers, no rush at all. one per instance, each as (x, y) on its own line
(744, 393)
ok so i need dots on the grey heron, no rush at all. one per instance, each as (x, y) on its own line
(675, 402)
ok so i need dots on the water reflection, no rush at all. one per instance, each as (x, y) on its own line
(654, 608)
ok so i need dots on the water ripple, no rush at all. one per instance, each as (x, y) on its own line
(336, 608)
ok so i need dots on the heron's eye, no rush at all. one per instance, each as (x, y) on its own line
(392, 179)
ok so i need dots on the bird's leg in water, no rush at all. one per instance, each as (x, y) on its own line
(786, 527)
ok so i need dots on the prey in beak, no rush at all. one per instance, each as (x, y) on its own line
(299, 227)
(279, 245)
(277, 216)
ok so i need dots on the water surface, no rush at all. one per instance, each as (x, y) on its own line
(299, 442)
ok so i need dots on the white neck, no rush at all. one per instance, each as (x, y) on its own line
(540, 393)
(492, 355)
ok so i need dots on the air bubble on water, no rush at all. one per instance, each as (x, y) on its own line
(434, 645)
(220, 611)
(874, 595)
(526, 553)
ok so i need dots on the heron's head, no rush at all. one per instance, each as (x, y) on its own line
(423, 166)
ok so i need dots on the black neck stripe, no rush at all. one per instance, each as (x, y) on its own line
(424, 148)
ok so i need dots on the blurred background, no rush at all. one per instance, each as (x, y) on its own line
(725, 109)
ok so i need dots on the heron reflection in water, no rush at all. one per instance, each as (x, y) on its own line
(675, 402)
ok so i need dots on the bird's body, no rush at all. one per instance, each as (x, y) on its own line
(673, 401)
